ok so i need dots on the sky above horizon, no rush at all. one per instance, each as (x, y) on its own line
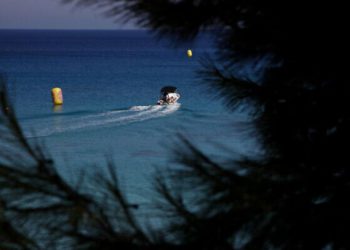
(51, 14)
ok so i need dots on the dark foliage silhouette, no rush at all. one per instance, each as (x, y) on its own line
(293, 55)
(287, 62)
(41, 210)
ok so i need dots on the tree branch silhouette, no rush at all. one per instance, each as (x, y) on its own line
(40, 209)
(294, 197)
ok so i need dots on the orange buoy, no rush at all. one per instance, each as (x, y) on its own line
(57, 96)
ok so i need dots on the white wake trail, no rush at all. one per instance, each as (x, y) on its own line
(110, 118)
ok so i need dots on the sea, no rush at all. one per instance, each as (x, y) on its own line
(111, 81)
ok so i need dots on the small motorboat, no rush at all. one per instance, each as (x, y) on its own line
(168, 95)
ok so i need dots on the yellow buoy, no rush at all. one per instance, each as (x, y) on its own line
(57, 96)
(189, 53)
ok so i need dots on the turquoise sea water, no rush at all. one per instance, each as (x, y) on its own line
(110, 82)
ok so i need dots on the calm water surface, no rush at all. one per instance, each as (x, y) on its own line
(111, 82)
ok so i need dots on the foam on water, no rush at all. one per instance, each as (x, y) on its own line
(140, 108)
(54, 125)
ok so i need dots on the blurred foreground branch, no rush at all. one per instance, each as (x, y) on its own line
(294, 197)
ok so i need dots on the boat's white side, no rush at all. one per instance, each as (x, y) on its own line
(170, 98)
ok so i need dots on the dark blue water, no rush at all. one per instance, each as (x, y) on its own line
(110, 82)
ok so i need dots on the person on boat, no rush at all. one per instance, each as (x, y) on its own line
(168, 95)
